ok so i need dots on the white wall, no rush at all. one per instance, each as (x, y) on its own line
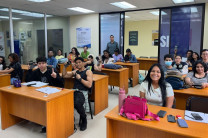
(88, 21)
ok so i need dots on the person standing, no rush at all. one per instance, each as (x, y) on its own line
(112, 45)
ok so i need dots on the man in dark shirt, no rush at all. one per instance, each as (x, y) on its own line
(45, 74)
(112, 45)
(83, 81)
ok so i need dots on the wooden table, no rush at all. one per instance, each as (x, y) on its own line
(118, 77)
(5, 80)
(61, 66)
(182, 95)
(120, 127)
(25, 69)
(146, 63)
(56, 111)
(133, 71)
(100, 91)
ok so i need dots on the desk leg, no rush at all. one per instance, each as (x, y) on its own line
(7, 120)
(60, 117)
(109, 128)
(101, 95)
(135, 75)
(124, 75)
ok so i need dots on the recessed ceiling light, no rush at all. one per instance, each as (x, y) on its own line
(79, 9)
(157, 13)
(123, 5)
(182, 1)
(39, 0)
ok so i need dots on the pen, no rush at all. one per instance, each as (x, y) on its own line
(190, 117)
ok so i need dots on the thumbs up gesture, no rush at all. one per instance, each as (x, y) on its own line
(53, 74)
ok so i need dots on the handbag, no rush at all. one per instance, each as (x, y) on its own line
(17, 83)
(135, 108)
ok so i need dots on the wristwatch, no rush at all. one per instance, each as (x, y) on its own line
(80, 79)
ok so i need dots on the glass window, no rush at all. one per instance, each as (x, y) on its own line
(4, 33)
(29, 42)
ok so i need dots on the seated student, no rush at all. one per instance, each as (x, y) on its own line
(204, 56)
(155, 89)
(14, 68)
(129, 57)
(51, 61)
(189, 54)
(45, 74)
(107, 57)
(83, 81)
(59, 55)
(168, 58)
(117, 56)
(198, 76)
(85, 53)
(195, 57)
(91, 66)
(2, 63)
(72, 55)
(179, 65)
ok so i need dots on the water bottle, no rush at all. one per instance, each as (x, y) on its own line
(121, 98)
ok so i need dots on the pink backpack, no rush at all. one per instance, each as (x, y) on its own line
(135, 108)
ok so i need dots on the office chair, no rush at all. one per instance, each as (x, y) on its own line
(197, 104)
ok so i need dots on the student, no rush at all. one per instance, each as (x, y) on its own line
(117, 56)
(59, 55)
(72, 55)
(129, 57)
(91, 66)
(189, 54)
(195, 57)
(204, 56)
(107, 57)
(198, 76)
(2, 63)
(155, 89)
(83, 81)
(14, 68)
(45, 74)
(179, 65)
(85, 53)
(112, 45)
(168, 58)
(51, 61)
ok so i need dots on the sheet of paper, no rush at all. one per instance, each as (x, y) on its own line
(36, 83)
(188, 116)
(48, 90)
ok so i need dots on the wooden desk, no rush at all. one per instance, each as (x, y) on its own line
(56, 111)
(146, 63)
(118, 77)
(120, 127)
(182, 95)
(5, 80)
(133, 71)
(100, 91)
(25, 69)
(61, 66)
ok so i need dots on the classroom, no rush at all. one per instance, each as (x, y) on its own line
(108, 69)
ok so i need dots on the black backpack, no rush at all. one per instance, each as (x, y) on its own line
(175, 82)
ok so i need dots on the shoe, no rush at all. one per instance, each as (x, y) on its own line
(43, 130)
(83, 125)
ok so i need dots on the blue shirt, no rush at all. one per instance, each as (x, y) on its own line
(111, 47)
(130, 58)
(52, 61)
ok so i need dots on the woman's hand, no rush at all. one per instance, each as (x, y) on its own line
(204, 85)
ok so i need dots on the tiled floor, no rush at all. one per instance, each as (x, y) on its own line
(96, 127)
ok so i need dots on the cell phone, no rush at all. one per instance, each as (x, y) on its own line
(196, 116)
(161, 113)
(171, 118)
(182, 123)
(197, 86)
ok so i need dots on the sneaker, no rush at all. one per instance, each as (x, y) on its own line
(83, 125)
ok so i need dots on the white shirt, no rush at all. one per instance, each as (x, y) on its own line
(110, 61)
(155, 95)
(1, 67)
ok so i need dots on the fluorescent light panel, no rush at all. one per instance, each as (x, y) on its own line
(123, 5)
(157, 13)
(39, 0)
(6, 17)
(182, 1)
(79, 9)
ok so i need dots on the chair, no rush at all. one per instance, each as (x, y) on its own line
(197, 104)
(143, 57)
(154, 57)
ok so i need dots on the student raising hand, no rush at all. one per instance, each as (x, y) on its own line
(53, 74)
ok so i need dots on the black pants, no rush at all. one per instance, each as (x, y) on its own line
(79, 100)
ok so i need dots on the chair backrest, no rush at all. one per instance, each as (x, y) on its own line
(197, 104)
(153, 57)
(143, 57)
(174, 103)
(99, 73)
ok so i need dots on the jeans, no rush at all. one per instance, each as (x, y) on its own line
(79, 100)
(12, 80)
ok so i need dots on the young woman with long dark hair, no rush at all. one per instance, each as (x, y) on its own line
(155, 89)
(2, 63)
